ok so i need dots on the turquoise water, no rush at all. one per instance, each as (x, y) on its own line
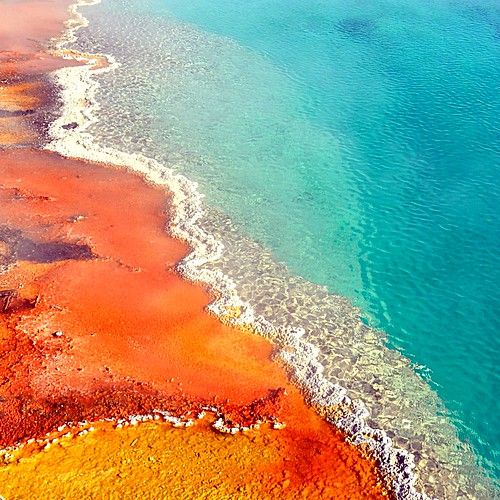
(361, 145)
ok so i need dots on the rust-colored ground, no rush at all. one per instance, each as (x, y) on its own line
(95, 323)
(89, 242)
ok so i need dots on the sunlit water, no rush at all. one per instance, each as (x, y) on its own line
(358, 141)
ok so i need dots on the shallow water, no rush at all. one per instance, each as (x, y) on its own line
(358, 142)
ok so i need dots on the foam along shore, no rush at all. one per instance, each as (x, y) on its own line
(98, 326)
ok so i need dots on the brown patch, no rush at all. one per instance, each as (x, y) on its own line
(19, 247)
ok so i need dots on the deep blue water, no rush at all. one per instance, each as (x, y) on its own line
(362, 145)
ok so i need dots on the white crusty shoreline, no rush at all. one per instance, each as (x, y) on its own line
(78, 90)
